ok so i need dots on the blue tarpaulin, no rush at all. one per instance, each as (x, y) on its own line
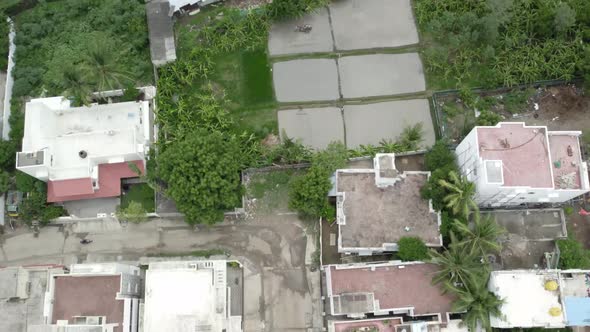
(577, 310)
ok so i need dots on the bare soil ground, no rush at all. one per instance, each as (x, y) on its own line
(564, 107)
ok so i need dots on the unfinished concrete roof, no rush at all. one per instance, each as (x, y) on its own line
(394, 285)
(377, 216)
(530, 234)
(315, 127)
(13, 283)
(88, 296)
(161, 32)
(371, 123)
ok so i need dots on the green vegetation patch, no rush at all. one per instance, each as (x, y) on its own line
(58, 35)
(141, 193)
(271, 189)
(257, 82)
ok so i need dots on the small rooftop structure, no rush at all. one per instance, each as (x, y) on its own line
(514, 164)
(93, 297)
(376, 207)
(393, 287)
(83, 152)
(542, 298)
(161, 32)
(188, 296)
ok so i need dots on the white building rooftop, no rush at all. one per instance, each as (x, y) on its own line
(187, 297)
(70, 141)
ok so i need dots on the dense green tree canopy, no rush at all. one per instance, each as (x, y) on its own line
(412, 248)
(201, 173)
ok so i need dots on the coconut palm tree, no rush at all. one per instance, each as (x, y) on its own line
(481, 236)
(460, 196)
(457, 265)
(75, 85)
(103, 68)
(477, 302)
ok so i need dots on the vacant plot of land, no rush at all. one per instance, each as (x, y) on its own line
(381, 75)
(285, 39)
(371, 123)
(363, 24)
(559, 108)
(306, 80)
(315, 127)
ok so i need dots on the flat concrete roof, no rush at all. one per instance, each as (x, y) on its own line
(371, 123)
(306, 80)
(315, 127)
(101, 131)
(376, 216)
(363, 24)
(161, 32)
(530, 234)
(394, 285)
(76, 295)
(182, 294)
(526, 301)
(284, 39)
(381, 75)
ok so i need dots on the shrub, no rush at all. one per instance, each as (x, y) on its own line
(25, 182)
(309, 193)
(573, 255)
(133, 213)
(488, 118)
(412, 249)
(568, 210)
(440, 156)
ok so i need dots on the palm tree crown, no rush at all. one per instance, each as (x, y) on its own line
(478, 303)
(457, 265)
(460, 197)
(482, 237)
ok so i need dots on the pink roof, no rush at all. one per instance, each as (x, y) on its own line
(109, 182)
(395, 287)
(88, 296)
(524, 152)
(564, 165)
(379, 324)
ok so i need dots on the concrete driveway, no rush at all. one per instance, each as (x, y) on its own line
(281, 293)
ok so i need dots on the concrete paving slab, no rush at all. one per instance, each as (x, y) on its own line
(306, 80)
(315, 127)
(363, 24)
(381, 75)
(284, 39)
(370, 123)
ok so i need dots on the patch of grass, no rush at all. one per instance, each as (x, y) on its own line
(197, 253)
(271, 189)
(515, 102)
(257, 80)
(141, 193)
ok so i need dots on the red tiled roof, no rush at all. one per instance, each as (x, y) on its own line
(71, 187)
(88, 296)
(109, 182)
(395, 286)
